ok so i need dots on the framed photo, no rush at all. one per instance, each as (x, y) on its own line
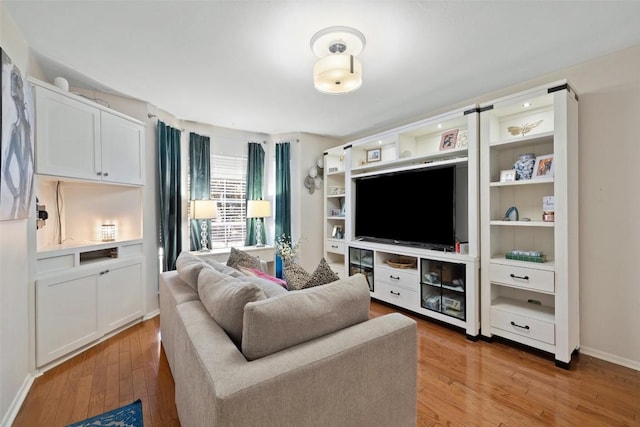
(374, 155)
(335, 212)
(508, 175)
(334, 233)
(449, 139)
(543, 167)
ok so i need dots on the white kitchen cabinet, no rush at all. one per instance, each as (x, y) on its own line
(78, 138)
(78, 304)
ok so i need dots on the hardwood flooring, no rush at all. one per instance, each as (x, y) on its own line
(460, 383)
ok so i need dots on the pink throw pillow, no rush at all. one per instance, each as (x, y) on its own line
(264, 275)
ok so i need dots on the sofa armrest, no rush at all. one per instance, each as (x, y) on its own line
(363, 375)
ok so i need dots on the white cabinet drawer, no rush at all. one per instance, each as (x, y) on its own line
(523, 325)
(406, 278)
(335, 247)
(523, 277)
(396, 295)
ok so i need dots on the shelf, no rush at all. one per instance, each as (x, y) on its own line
(537, 181)
(538, 138)
(422, 162)
(338, 172)
(336, 217)
(549, 265)
(523, 223)
(521, 308)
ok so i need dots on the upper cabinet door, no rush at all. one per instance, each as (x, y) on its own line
(122, 150)
(67, 137)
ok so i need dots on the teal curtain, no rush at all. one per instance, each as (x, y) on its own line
(283, 196)
(255, 179)
(200, 184)
(169, 189)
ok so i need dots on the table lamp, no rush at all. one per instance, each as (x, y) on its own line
(203, 209)
(258, 209)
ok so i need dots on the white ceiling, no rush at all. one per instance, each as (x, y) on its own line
(248, 64)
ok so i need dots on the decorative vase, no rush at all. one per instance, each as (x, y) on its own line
(524, 166)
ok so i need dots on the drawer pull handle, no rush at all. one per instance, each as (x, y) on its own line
(334, 246)
(105, 174)
(394, 278)
(395, 293)
(513, 276)
(526, 327)
(99, 173)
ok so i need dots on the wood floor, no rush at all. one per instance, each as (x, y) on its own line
(460, 383)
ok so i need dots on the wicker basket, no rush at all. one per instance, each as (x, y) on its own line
(401, 263)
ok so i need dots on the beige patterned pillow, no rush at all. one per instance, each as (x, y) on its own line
(322, 275)
(297, 278)
(237, 258)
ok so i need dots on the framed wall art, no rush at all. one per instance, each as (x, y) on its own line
(16, 143)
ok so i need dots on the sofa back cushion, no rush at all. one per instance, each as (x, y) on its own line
(225, 297)
(292, 318)
(188, 267)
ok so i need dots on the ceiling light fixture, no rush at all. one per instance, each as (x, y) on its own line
(338, 70)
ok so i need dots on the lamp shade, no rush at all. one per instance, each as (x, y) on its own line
(337, 73)
(258, 209)
(203, 209)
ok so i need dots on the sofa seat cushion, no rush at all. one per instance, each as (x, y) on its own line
(224, 297)
(280, 322)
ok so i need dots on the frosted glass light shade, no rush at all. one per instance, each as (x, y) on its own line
(203, 209)
(258, 209)
(337, 73)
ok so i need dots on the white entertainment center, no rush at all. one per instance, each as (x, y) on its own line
(411, 284)
(517, 276)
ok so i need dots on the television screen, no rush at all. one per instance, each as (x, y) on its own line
(415, 207)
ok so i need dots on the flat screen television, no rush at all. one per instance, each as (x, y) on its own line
(412, 208)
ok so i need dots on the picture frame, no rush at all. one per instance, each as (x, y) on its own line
(335, 212)
(508, 175)
(374, 155)
(449, 139)
(334, 233)
(543, 167)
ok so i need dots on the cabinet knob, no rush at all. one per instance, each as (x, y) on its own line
(99, 173)
(105, 174)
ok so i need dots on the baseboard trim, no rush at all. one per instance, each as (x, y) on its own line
(151, 315)
(627, 363)
(15, 406)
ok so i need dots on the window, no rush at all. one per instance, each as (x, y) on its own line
(228, 189)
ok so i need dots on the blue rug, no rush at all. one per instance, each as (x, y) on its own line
(126, 416)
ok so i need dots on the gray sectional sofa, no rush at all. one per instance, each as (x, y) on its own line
(245, 353)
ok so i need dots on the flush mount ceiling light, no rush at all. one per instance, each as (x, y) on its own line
(338, 70)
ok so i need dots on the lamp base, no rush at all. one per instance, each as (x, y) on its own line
(259, 243)
(203, 237)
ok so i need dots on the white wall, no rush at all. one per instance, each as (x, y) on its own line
(15, 344)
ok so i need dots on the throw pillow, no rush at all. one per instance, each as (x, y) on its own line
(238, 258)
(283, 321)
(322, 275)
(297, 278)
(266, 276)
(224, 297)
